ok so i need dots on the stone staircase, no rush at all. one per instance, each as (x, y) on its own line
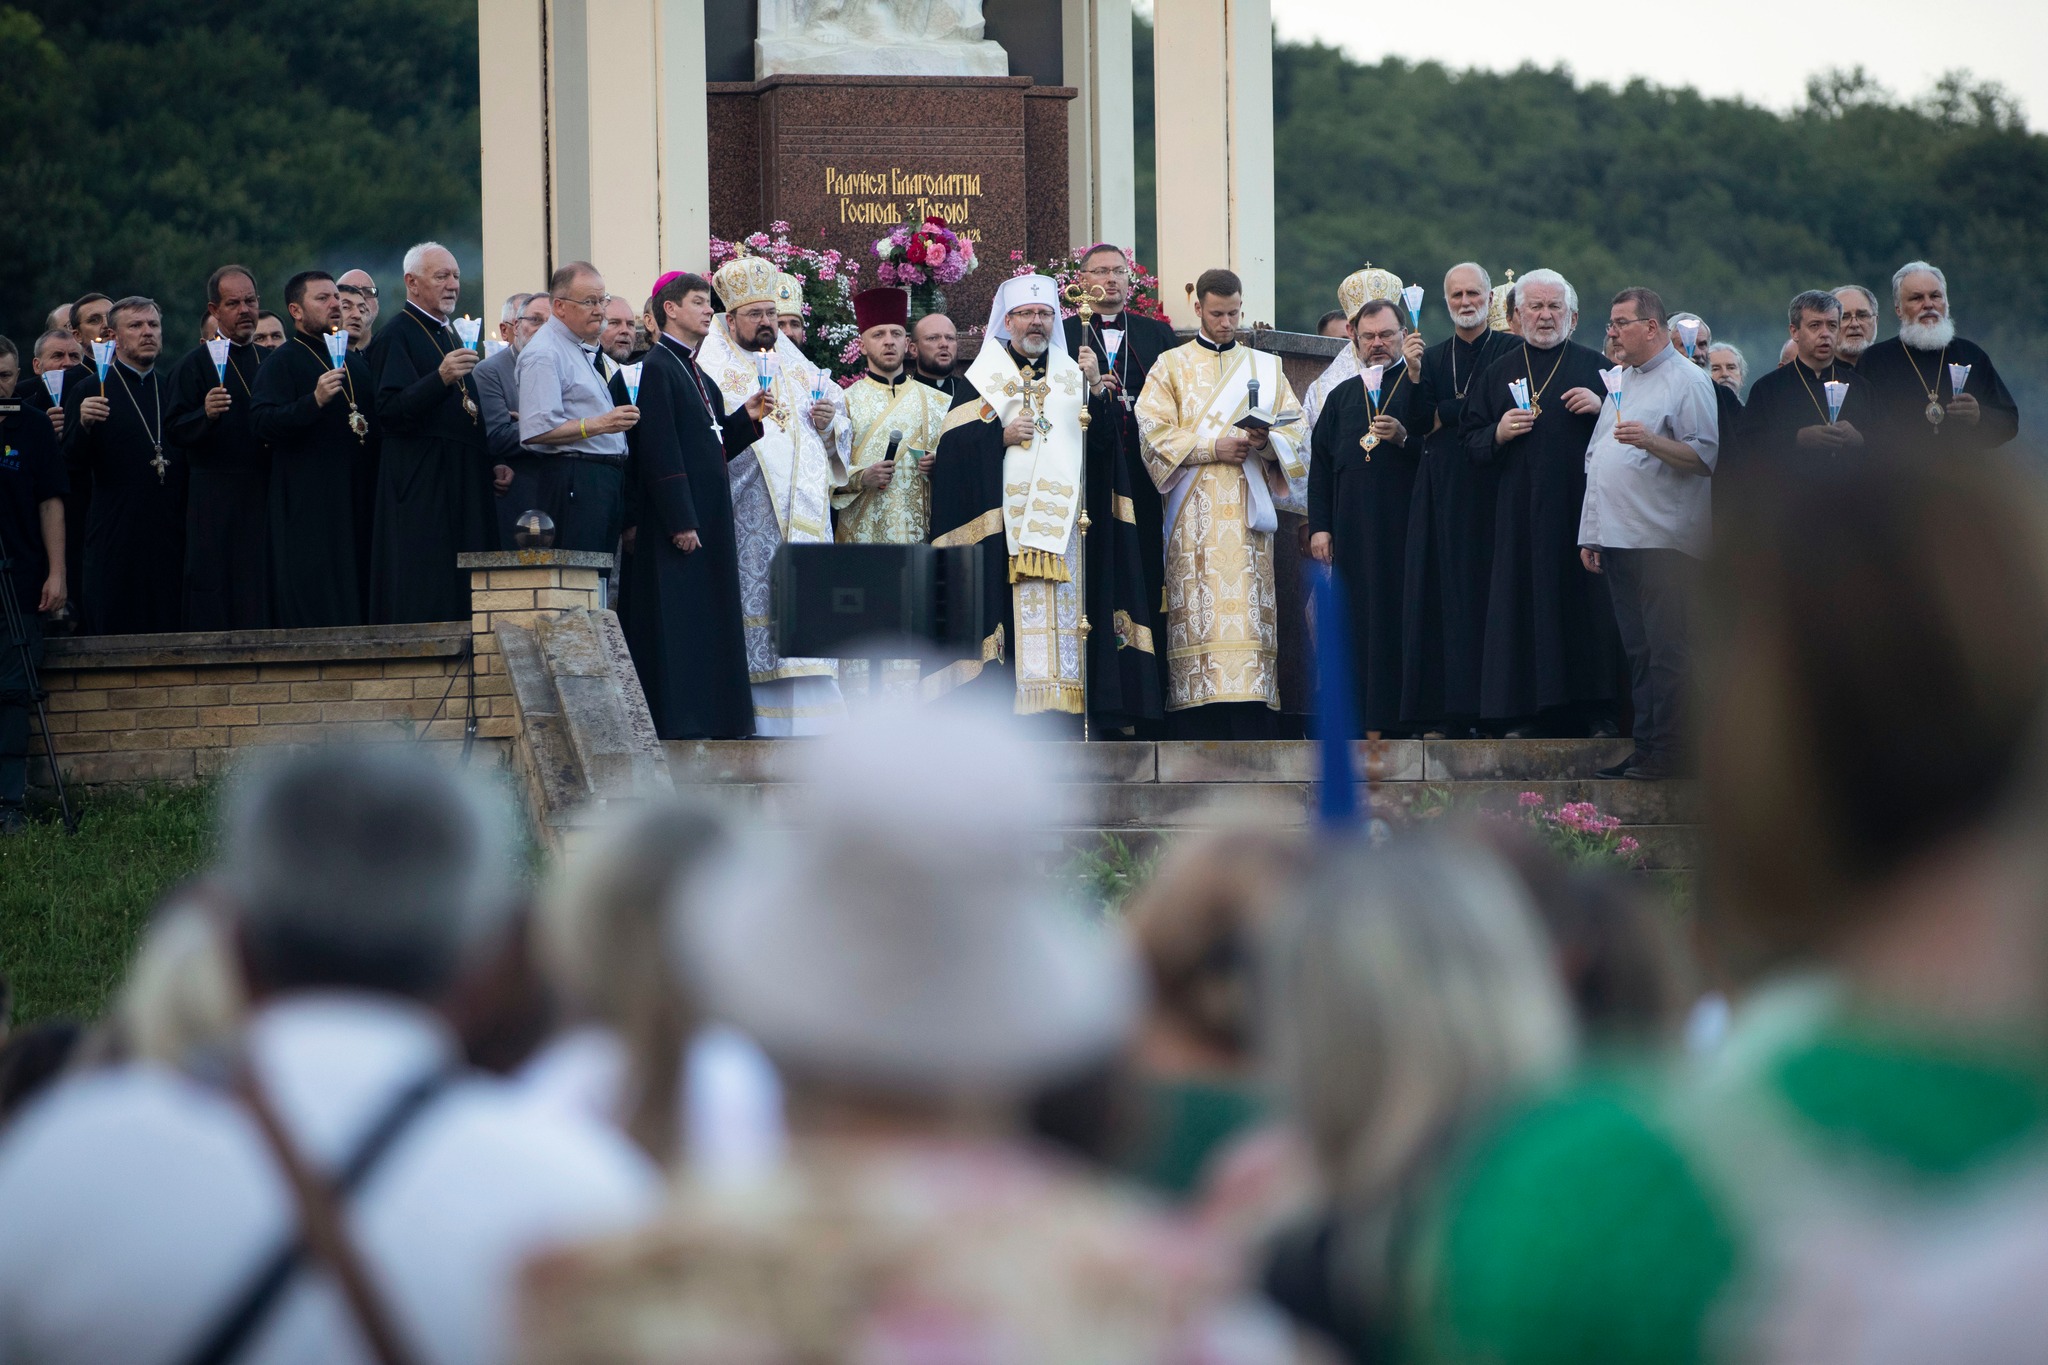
(1139, 791)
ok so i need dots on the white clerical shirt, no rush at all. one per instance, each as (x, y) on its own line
(558, 382)
(1635, 501)
(135, 1202)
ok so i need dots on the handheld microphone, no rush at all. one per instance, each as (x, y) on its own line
(895, 439)
(1251, 387)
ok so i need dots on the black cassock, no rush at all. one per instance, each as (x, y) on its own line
(135, 533)
(317, 501)
(1550, 633)
(1450, 543)
(1781, 403)
(1361, 498)
(227, 506)
(681, 612)
(1901, 378)
(434, 498)
(1126, 549)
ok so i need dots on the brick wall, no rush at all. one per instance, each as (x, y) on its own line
(126, 709)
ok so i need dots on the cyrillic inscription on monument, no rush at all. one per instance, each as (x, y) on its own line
(886, 197)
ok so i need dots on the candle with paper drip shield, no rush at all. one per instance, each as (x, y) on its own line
(337, 348)
(1614, 379)
(1836, 390)
(217, 348)
(1413, 296)
(631, 374)
(1372, 376)
(1689, 335)
(467, 329)
(1518, 389)
(493, 345)
(102, 357)
(1958, 375)
(53, 380)
(764, 372)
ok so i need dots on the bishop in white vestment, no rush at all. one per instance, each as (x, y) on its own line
(1220, 483)
(781, 487)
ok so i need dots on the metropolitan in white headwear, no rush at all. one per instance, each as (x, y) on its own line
(1010, 478)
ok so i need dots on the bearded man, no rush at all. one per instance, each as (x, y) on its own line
(1915, 374)
(781, 486)
(1859, 323)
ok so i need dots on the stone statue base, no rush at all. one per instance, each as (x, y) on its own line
(810, 57)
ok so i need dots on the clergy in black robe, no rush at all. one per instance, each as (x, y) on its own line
(934, 345)
(116, 433)
(1450, 528)
(318, 450)
(1361, 478)
(1551, 653)
(1792, 400)
(1911, 381)
(227, 508)
(1126, 551)
(434, 496)
(681, 594)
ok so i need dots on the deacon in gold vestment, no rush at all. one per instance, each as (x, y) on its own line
(1220, 483)
(887, 496)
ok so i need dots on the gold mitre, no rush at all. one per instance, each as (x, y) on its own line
(1361, 287)
(789, 296)
(1497, 318)
(744, 280)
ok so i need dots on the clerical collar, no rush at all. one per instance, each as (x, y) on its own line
(682, 348)
(928, 377)
(1800, 361)
(437, 321)
(1024, 362)
(1209, 345)
(139, 374)
(1656, 361)
(902, 377)
(1113, 321)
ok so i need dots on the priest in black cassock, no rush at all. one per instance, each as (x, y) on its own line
(681, 608)
(434, 492)
(934, 345)
(1361, 476)
(1126, 546)
(1786, 425)
(322, 430)
(1551, 651)
(1913, 380)
(1450, 522)
(115, 431)
(227, 509)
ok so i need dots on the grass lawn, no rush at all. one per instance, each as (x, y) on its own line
(71, 908)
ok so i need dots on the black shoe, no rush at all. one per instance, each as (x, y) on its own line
(1603, 727)
(13, 819)
(1616, 771)
(1650, 770)
(1526, 730)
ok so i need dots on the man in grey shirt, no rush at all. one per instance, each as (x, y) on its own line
(1647, 516)
(515, 471)
(567, 414)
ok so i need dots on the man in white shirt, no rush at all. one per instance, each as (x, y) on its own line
(142, 1206)
(1647, 517)
(566, 412)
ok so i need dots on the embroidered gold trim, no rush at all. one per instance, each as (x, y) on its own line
(963, 671)
(1123, 508)
(1033, 698)
(1038, 564)
(965, 413)
(1131, 635)
(989, 523)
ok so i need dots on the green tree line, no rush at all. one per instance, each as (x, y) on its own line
(144, 143)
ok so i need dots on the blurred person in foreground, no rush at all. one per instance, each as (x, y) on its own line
(1884, 884)
(1410, 996)
(622, 1054)
(1196, 927)
(148, 1211)
(914, 980)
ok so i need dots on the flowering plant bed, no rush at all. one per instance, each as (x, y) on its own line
(1576, 831)
(1066, 270)
(829, 280)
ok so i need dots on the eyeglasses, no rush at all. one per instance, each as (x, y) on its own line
(598, 302)
(1104, 272)
(1614, 325)
(1861, 315)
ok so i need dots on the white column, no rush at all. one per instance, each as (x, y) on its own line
(603, 137)
(1213, 130)
(512, 118)
(684, 138)
(1101, 153)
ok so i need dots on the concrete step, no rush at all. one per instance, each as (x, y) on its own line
(1405, 760)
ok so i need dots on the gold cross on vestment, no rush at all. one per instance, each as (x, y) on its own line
(1033, 393)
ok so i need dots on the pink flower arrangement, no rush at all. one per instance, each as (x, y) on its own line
(929, 253)
(1064, 270)
(829, 281)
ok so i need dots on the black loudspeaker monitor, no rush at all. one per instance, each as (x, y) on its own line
(851, 601)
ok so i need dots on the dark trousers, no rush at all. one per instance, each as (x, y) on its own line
(15, 703)
(1224, 720)
(1652, 592)
(587, 499)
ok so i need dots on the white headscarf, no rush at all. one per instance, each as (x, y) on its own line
(1020, 291)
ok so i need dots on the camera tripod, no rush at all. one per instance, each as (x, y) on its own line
(17, 634)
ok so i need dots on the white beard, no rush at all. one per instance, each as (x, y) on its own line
(1469, 319)
(1031, 347)
(1928, 336)
(1851, 351)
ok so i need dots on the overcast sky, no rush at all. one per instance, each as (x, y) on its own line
(1760, 50)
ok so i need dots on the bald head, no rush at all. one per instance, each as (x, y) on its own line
(935, 343)
(366, 295)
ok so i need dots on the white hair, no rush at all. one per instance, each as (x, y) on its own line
(1677, 318)
(1485, 280)
(1842, 289)
(515, 304)
(416, 255)
(1550, 277)
(1916, 268)
(1741, 360)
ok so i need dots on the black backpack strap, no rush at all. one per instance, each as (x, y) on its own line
(232, 1329)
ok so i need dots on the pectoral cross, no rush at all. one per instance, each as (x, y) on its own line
(1033, 393)
(158, 462)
